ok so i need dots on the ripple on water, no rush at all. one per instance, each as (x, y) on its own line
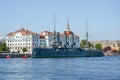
(92, 68)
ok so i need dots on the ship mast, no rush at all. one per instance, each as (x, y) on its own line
(86, 33)
(54, 32)
(68, 26)
(54, 25)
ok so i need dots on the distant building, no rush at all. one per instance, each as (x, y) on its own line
(17, 40)
(107, 43)
(46, 37)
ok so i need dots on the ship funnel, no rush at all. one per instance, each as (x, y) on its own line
(65, 38)
(72, 39)
(58, 37)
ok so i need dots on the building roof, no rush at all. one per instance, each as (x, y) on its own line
(45, 33)
(68, 33)
(22, 31)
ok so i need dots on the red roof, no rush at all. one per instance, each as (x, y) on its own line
(22, 31)
(68, 33)
(45, 33)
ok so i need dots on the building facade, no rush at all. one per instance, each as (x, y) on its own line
(20, 39)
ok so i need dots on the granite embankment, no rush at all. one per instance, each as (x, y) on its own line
(111, 54)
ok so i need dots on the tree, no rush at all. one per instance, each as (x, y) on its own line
(91, 46)
(18, 51)
(0, 50)
(3, 47)
(98, 46)
(84, 42)
(24, 49)
(118, 47)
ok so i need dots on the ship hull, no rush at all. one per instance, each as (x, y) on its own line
(64, 53)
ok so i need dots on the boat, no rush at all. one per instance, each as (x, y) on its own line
(59, 51)
(14, 55)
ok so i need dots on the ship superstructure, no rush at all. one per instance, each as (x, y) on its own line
(66, 39)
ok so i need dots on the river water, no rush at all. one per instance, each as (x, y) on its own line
(86, 68)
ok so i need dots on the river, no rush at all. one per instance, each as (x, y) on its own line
(85, 68)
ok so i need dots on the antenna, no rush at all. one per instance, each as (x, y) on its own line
(68, 26)
(68, 23)
(27, 29)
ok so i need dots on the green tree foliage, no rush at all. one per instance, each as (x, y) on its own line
(91, 46)
(0, 50)
(24, 49)
(118, 47)
(3, 47)
(84, 42)
(18, 51)
(98, 46)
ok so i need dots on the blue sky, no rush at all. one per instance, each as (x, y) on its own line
(103, 16)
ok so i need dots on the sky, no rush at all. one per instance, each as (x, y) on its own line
(103, 17)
